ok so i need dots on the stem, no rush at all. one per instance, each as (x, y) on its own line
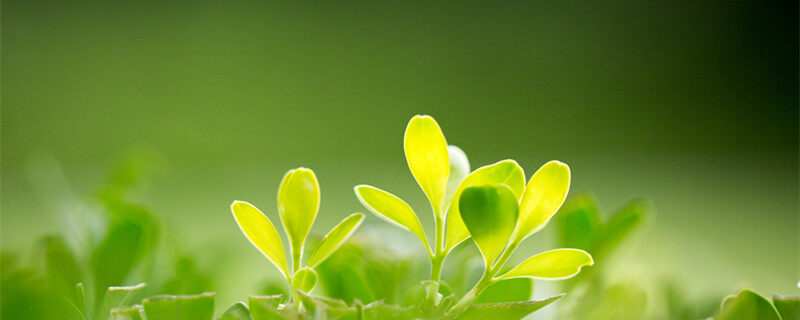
(498, 264)
(437, 258)
(466, 301)
(436, 267)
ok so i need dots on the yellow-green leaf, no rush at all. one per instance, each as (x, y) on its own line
(552, 265)
(304, 279)
(391, 208)
(459, 169)
(506, 172)
(335, 238)
(543, 195)
(261, 233)
(490, 214)
(298, 204)
(426, 153)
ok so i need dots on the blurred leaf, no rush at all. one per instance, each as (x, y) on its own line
(552, 265)
(490, 214)
(507, 290)
(335, 238)
(238, 311)
(168, 307)
(61, 267)
(626, 302)
(579, 223)
(506, 172)
(304, 279)
(459, 169)
(127, 313)
(186, 279)
(26, 295)
(543, 195)
(118, 297)
(265, 307)
(427, 157)
(788, 307)
(298, 204)
(261, 233)
(391, 208)
(505, 311)
(622, 224)
(747, 305)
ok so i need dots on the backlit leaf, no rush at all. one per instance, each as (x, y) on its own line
(261, 233)
(265, 307)
(304, 279)
(552, 265)
(427, 157)
(543, 195)
(459, 169)
(335, 238)
(391, 208)
(507, 290)
(298, 204)
(747, 305)
(490, 214)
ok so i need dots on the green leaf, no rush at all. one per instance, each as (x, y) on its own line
(490, 214)
(788, 307)
(298, 204)
(261, 233)
(552, 265)
(507, 290)
(579, 223)
(506, 172)
(265, 307)
(543, 195)
(168, 307)
(747, 305)
(304, 279)
(335, 238)
(459, 169)
(238, 311)
(622, 225)
(61, 267)
(127, 313)
(505, 311)
(426, 153)
(118, 297)
(391, 208)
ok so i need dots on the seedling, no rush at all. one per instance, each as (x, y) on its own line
(298, 204)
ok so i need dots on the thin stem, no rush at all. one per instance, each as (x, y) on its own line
(498, 264)
(436, 267)
(466, 301)
(437, 257)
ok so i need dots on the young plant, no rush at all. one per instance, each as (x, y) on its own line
(298, 204)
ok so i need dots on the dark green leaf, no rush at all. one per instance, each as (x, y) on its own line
(747, 305)
(490, 214)
(265, 307)
(788, 307)
(238, 311)
(509, 290)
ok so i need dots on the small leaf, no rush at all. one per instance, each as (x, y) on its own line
(552, 265)
(335, 238)
(622, 225)
(788, 307)
(505, 311)
(490, 214)
(579, 223)
(167, 307)
(298, 204)
(304, 279)
(391, 208)
(261, 233)
(507, 290)
(238, 311)
(459, 169)
(543, 195)
(506, 172)
(127, 313)
(118, 297)
(427, 157)
(748, 305)
(265, 307)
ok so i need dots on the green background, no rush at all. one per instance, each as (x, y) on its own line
(693, 104)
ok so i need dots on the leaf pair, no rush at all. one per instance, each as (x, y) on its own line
(298, 204)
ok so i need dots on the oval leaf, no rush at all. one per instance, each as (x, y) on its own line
(490, 214)
(391, 208)
(335, 238)
(298, 204)
(261, 233)
(427, 157)
(747, 305)
(543, 196)
(506, 172)
(459, 169)
(304, 279)
(552, 265)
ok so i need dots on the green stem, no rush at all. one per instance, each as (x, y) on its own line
(436, 267)
(437, 257)
(498, 264)
(466, 301)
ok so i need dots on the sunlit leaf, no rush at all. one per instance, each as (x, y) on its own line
(552, 265)
(788, 307)
(261, 233)
(747, 305)
(506, 172)
(505, 311)
(304, 279)
(238, 311)
(490, 214)
(298, 204)
(391, 208)
(426, 153)
(507, 290)
(459, 169)
(335, 238)
(265, 307)
(543, 195)
(118, 297)
(196, 307)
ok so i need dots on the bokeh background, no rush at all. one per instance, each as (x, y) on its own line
(693, 104)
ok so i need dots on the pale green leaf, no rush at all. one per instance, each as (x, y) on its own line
(459, 169)
(506, 172)
(507, 290)
(265, 307)
(490, 214)
(298, 204)
(304, 279)
(543, 195)
(238, 311)
(747, 305)
(261, 233)
(505, 311)
(427, 157)
(391, 208)
(118, 297)
(127, 313)
(552, 265)
(167, 307)
(335, 238)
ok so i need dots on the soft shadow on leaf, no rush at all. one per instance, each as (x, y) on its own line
(490, 214)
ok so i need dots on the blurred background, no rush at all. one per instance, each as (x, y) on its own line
(692, 104)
